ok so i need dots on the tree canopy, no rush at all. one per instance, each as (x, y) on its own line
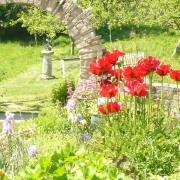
(40, 22)
(165, 13)
(36, 21)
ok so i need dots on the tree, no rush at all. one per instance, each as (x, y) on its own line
(40, 23)
(113, 13)
(9, 14)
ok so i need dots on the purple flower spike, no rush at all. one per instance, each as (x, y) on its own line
(7, 123)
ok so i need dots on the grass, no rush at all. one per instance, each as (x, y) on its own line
(155, 42)
(15, 58)
(20, 87)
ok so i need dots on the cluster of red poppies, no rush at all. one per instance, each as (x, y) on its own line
(110, 70)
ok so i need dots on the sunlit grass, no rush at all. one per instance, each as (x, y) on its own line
(21, 89)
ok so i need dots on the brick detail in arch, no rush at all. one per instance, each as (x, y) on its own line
(78, 22)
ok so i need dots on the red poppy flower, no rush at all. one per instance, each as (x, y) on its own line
(175, 74)
(141, 90)
(163, 70)
(132, 73)
(118, 53)
(149, 64)
(99, 67)
(95, 68)
(105, 65)
(118, 73)
(102, 109)
(108, 90)
(110, 107)
(113, 57)
(139, 71)
(135, 88)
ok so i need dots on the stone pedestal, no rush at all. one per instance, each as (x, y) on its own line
(47, 65)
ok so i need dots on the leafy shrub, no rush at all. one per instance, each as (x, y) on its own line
(53, 120)
(60, 91)
(145, 152)
(68, 163)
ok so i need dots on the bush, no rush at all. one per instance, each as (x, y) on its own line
(59, 92)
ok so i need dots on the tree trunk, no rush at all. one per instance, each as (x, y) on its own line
(177, 49)
(35, 39)
(110, 35)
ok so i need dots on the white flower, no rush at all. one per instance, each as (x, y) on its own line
(32, 151)
(83, 121)
(78, 117)
(9, 116)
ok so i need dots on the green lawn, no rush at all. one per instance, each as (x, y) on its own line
(161, 46)
(21, 89)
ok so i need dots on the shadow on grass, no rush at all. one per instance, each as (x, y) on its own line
(25, 105)
(129, 31)
(21, 36)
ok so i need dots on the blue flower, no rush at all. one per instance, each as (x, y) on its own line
(85, 136)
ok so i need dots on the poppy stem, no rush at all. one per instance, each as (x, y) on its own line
(134, 115)
(150, 95)
(162, 89)
(178, 95)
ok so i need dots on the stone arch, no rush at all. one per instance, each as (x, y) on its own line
(78, 22)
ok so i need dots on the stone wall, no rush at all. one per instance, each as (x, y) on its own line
(170, 94)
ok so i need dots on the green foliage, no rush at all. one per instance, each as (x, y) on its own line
(40, 23)
(117, 12)
(9, 14)
(13, 152)
(59, 92)
(68, 163)
(52, 120)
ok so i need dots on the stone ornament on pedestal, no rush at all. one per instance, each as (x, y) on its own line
(47, 65)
